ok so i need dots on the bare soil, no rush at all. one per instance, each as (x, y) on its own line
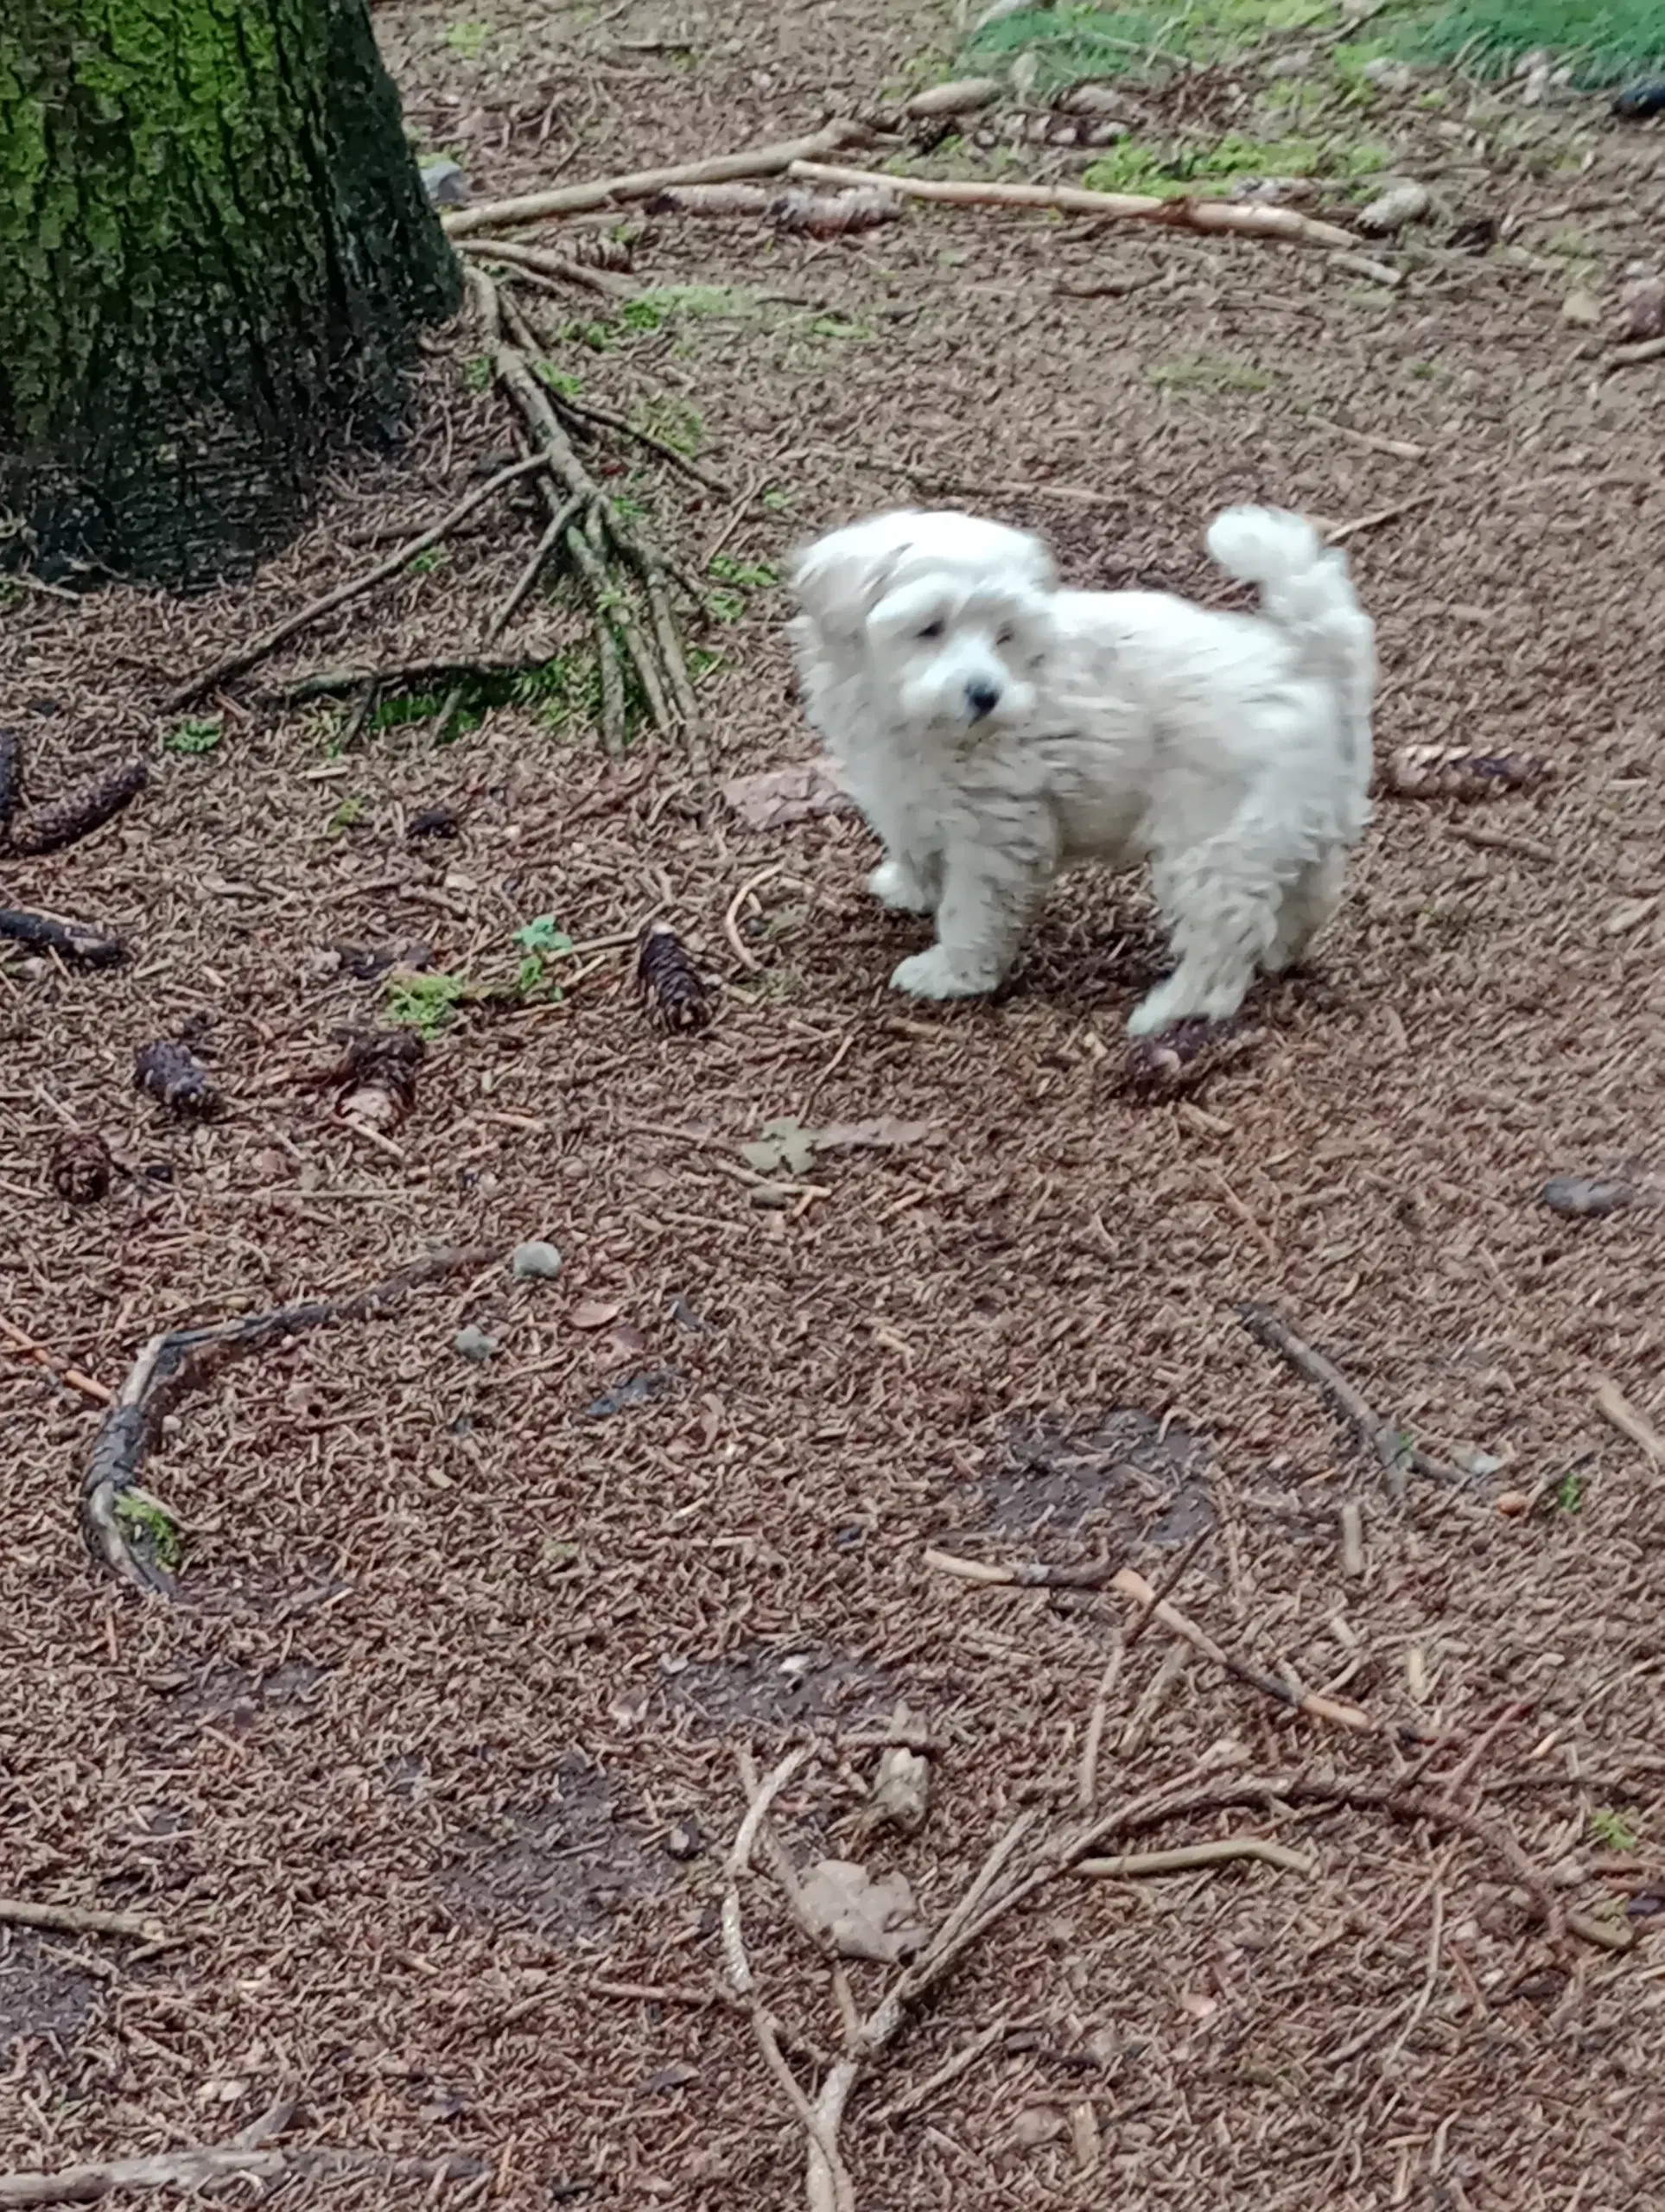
(456, 1659)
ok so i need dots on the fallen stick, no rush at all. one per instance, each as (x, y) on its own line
(1397, 1452)
(193, 2171)
(1127, 1583)
(77, 942)
(182, 1360)
(100, 1393)
(1344, 530)
(1645, 349)
(1372, 441)
(246, 657)
(1239, 218)
(1499, 840)
(642, 184)
(80, 1920)
(1134, 1864)
(1616, 1408)
(541, 263)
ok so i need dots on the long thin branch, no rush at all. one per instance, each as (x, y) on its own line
(79, 1920)
(246, 657)
(642, 184)
(541, 263)
(1396, 1450)
(179, 1361)
(1185, 214)
(552, 536)
(194, 2170)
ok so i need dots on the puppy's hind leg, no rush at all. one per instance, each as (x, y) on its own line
(1221, 907)
(1308, 903)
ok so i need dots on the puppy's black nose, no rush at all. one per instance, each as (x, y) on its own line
(982, 699)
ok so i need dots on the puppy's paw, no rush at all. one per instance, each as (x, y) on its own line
(939, 973)
(894, 884)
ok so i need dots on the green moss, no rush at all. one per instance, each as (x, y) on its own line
(149, 1531)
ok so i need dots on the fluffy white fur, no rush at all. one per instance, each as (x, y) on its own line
(993, 728)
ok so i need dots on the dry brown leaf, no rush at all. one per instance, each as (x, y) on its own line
(775, 797)
(1641, 310)
(901, 1787)
(1036, 2126)
(593, 1313)
(861, 1918)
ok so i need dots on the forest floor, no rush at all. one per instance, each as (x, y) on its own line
(436, 1755)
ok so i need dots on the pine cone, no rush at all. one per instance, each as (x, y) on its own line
(375, 1079)
(1453, 771)
(1180, 1058)
(79, 812)
(176, 1077)
(600, 249)
(12, 777)
(671, 989)
(81, 1167)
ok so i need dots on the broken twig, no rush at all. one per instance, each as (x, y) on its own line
(642, 184)
(1134, 1864)
(79, 1920)
(246, 657)
(182, 1360)
(1243, 217)
(1398, 1453)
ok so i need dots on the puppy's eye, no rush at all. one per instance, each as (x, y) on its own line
(1004, 635)
(933, 629)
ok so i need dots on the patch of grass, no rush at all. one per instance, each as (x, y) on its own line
(673, 421)
(149, 1529)
(193, 737)
(468, 41)
(1569, 1493)
(1061, 46)
(1133, 166)
(427, 1004)
(1601, 41)
(1610, 1831)
(562, 382)
(477, 373)
(347, 815)
(1203, 374)
(423, 564)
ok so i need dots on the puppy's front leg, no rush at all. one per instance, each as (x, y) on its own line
(990, 890)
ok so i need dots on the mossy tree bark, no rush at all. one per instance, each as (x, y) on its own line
(215, 254)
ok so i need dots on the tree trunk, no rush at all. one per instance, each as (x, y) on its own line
(215, 254)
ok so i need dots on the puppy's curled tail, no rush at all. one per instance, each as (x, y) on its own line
(1306, 589)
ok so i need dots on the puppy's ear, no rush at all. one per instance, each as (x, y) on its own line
(1040, 569)
(839, 579)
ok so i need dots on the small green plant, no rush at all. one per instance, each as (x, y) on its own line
(468, 41)
(149, 1529)
(745, 575)
(839, 325)
(560, 381)
(540, 936)
(776, 501)
(193, 737)
(1202, 374)
(477, 373)
(423, 564)
(1610, 1831)
(1569, 1492)
(674, 423)
(427, 1004)
(347, 815)
(540, 942)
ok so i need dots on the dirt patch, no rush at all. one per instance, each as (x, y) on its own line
(1137, 1480)
(44, 1999)
(563, 1869)
(761, 1688)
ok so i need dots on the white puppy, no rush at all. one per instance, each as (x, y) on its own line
(993, 728)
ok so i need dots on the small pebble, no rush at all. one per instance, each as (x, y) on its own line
(444, 183)
(1580, 1200)
(535, 1261)
(1512, 1503)
(474, 1344)
(683, 1840)
(1393, 209)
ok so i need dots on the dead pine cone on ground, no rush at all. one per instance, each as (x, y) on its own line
(176, 1076)
(671, 990)
(65, 821)
(375, 1079)
(81, 1167)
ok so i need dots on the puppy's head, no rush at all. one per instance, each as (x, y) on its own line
(952, 614)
